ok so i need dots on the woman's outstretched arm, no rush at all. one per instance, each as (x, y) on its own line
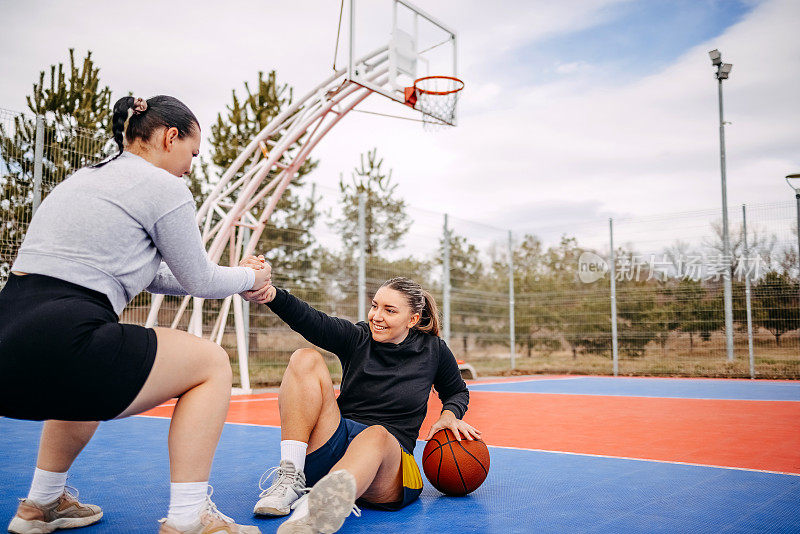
(329, 333)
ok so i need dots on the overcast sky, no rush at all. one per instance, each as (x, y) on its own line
(573, 111)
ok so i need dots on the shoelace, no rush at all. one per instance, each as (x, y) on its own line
(211, 508)
(71, 491)
(356, 511)
(282, 476)
(302, 499)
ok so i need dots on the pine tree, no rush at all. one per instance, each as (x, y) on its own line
(386, 222)
(386, 218)
(287, 240)
(76, 110)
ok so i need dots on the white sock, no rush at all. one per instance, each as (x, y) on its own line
(295, 452)
(46, 486)
(186, 500)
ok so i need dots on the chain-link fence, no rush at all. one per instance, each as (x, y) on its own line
(661, 313)
(36, 154)
(16, 181)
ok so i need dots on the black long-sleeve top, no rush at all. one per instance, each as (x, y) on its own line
(382, 383)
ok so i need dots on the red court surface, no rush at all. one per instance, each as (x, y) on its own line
(728, 433)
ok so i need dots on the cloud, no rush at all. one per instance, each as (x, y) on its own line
(598, 139)
(651, 143)
(570, 68)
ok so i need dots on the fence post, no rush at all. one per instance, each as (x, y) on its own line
(511, 327)
(747, 297)
(613, 272)
(38, 158)
(245, 303)
(446, 282)
(362, 257)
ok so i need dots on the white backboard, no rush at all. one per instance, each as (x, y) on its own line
(416, 45)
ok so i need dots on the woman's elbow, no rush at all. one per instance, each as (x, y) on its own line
(200, 288)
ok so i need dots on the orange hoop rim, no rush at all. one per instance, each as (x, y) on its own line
(438, 93)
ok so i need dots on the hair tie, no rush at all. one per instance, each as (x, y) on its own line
(139, 106)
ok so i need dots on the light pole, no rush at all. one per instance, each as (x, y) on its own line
(723, 70)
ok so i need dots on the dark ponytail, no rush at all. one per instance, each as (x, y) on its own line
(135, 118)
(420, 301)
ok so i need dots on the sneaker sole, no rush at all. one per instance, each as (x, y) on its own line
(22, 526)
(270, 512)
(331, 501)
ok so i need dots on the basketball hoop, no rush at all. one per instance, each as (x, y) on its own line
(436, 98)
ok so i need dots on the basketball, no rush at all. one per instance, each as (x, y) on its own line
(455, 467)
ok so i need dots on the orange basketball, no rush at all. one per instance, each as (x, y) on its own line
(455, 467)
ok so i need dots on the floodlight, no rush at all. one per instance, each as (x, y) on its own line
(724, 71)
(716, 57)
(794, 182)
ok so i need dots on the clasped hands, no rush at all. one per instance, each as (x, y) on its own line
(262, 291)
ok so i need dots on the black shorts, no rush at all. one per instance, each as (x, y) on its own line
(65, 355)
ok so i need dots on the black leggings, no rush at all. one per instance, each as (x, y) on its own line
(65, 355)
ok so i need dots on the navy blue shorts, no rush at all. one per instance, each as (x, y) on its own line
(319, 463)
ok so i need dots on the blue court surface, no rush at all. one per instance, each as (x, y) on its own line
(124, 469)
(683, 388)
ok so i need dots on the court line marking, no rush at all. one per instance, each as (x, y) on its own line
(673, 462)
(172, 405)
(226, 422)
(524, 381)
(539, 378)
(631, 396)
(487, 381)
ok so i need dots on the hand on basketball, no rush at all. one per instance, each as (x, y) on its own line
(458, 427)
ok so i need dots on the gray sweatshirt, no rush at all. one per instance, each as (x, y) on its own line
(108, 229)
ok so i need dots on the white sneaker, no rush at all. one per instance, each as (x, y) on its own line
(210, 520)
(330, 501)
(287, 486)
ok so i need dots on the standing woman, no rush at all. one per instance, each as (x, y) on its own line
(359, 446)
(98, 239)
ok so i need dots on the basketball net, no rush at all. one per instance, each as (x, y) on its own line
(436, 97)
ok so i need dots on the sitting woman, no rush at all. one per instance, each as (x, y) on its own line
(360, 445)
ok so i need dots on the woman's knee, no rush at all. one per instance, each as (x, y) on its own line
(306, 361)
(377, 434)
(218, 363)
